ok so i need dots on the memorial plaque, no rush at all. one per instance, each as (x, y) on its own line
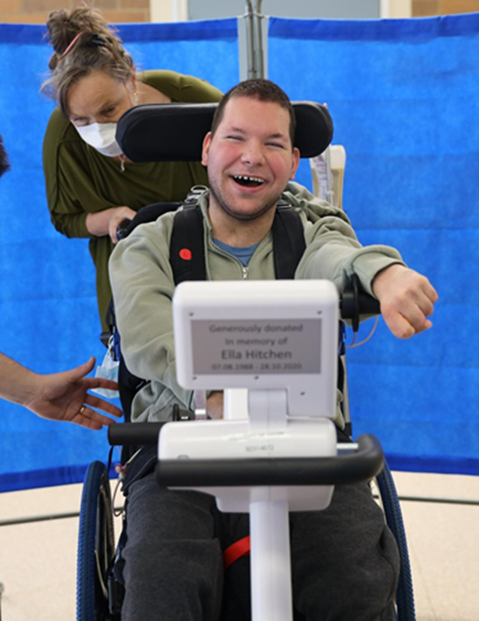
(256, 346)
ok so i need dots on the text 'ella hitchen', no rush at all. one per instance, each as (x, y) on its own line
(255, 354)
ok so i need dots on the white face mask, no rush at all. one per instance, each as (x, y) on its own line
(101, 136)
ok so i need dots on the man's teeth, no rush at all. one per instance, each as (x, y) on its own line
(248, 179)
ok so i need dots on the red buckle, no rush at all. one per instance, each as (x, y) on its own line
(236, 550)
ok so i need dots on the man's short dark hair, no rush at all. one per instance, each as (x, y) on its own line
(261, 89)
(4, 163)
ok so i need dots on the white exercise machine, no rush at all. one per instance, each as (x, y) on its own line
(272, 347)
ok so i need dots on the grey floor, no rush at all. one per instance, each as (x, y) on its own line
(37, 560)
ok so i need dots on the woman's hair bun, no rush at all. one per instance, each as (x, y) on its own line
(83, 42)
(63, 26)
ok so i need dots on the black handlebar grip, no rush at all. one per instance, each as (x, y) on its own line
(355, 302)
(135, 434)
(367, 305)
(363, 465)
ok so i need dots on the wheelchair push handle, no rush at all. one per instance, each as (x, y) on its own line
(362, 465)
(122, 229)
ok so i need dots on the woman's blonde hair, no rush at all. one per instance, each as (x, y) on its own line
(83, 43)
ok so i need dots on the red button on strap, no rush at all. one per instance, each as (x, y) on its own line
(186, 254)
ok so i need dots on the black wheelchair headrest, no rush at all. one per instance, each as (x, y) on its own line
(174, 132)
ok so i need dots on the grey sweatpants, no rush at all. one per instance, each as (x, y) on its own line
(345, 562)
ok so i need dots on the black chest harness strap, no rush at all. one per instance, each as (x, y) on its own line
(187, 249)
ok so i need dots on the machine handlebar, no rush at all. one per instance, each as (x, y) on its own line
(362, 465)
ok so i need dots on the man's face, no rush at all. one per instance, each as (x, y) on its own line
(250, 159)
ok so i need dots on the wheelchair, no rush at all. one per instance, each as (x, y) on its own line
(99, 594)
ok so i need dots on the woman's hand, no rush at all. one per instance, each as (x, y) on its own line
(106, 222)
(119, 214)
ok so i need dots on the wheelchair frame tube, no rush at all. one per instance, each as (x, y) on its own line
(271, 591)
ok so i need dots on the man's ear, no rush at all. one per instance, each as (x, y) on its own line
(206, 149)
(294, 167)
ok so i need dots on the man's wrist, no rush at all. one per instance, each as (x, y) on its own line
(384, 275)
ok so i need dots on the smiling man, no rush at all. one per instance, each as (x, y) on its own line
(344, 559)
(250, 158)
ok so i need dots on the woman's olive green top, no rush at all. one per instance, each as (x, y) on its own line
(79, 180)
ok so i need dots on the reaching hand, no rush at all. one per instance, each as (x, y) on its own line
(407, 299)
(64, 397)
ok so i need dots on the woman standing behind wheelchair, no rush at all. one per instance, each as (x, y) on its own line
(91, 185)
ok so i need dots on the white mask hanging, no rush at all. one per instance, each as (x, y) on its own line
(102, 137)
(108, 370)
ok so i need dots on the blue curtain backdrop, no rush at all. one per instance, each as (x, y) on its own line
(403, 95)
(404, 98)
(48, 316)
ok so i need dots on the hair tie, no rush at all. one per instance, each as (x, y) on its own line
(71, 44)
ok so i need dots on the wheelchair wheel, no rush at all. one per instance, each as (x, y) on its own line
(96, 546)
(392, 511)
